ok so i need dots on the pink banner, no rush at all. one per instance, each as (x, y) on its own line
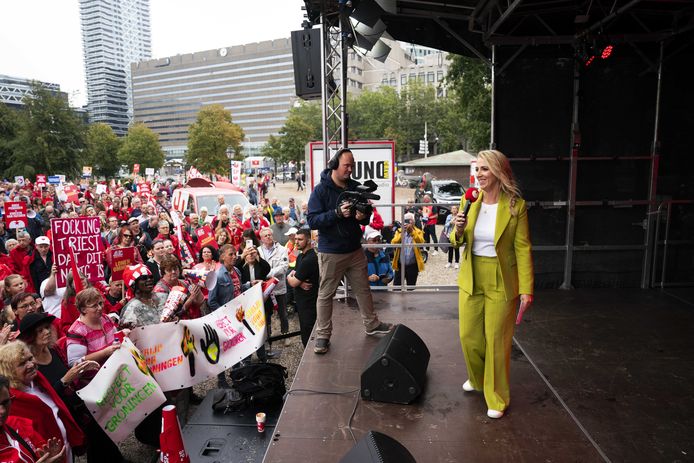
(83, 235)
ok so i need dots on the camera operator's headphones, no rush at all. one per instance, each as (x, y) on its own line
(334, 162)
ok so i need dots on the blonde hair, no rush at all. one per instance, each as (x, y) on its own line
(10, 356)
(500, 167)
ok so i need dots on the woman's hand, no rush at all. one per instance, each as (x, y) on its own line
(52, 451)
(526, 301)
(460, 222)
(5, 334)
(78, 370)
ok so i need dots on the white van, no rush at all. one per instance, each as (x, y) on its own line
(199, 192)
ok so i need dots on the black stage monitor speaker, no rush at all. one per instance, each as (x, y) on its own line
(375, 447)
(307, 63)
(397, 368)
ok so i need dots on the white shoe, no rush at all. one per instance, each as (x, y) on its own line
(287, 342)
(494, 414)
(467, 386)
(456, 266)
(448, 265)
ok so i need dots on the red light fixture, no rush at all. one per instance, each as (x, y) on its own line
(606, 52)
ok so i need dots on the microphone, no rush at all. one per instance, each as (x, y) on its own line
(471, 195)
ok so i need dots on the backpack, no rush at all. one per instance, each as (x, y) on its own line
(255, 384)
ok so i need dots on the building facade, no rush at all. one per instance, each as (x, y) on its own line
(405, 63)
(115, 33)
(255, 82)
(13, 90)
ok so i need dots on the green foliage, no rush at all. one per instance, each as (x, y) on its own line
(9, 126)
(303, 125)
(470, 79)
(141, 146)
(49, 138)
(209, 137)
(101, 150)
(273, 149)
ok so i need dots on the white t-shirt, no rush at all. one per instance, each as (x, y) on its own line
(483, 236)
(51, 304)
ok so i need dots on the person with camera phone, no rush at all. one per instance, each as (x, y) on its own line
(337, 207)
(411, 255)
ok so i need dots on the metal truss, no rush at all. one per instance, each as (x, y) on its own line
(334, 80)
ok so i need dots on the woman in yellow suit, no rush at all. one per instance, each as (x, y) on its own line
(496, 269)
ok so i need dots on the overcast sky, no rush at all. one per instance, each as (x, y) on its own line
(41, 39)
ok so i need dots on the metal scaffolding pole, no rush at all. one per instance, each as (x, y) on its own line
(653, 183)
(571, 202)
(334, 80)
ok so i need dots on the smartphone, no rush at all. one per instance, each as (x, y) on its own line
(249, 243)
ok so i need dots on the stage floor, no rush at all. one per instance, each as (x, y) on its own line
(617, 368)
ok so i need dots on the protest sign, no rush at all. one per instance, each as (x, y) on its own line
(54, 179)
(83, 236)
(72, 194)
(120, 259)
(149, 171)
(122, 393)
(136, 168)
(16, 214)
(100, 188)
(191, 351)
(41, 180)
(86, 171)
(144, 188)
(206, 236)
(19, 180)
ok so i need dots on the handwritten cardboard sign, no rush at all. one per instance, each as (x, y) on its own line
(83, 236)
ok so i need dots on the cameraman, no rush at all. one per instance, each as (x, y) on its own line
(339, 248)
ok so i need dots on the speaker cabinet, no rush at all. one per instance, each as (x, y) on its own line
(396, 369)
(307, 63)
(375, 447)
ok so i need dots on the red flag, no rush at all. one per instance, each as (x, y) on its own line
(76, 280)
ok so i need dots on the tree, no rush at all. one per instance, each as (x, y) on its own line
(9, 126)
(470, 79)
(209, 138)
(50, 137)
(101, 150)
(303, 125)
(273, 149)
(141, 146)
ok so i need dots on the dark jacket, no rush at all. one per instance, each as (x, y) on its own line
(337, 235)
(40, 270)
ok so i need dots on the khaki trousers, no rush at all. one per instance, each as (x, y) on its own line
(486, 332)
(332, 268)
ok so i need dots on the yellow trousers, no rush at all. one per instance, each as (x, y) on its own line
(486, 332)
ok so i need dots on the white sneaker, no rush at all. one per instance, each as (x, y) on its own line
(467, 386)
(448, 265)
(456, 266)
(494, 414)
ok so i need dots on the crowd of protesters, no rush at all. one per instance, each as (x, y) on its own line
(53, 339)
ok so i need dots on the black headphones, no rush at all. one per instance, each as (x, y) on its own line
(334, 162)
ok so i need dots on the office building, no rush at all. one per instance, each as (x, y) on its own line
(405, 63)
(255, 82)
(115, 33)
(13, 90)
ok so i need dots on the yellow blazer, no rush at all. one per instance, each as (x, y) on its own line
(512, 244)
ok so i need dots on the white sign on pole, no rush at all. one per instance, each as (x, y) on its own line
(149, 171)
(236, 168)
(374, 160)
